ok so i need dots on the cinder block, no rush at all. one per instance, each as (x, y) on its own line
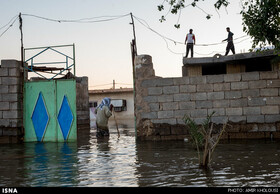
(250, 76)
(232, 94)
(164, 82)
(269, 92)
(270, 110)
(215, 78)
(150, 98)
(149, 115)
(257, 101)
(14, 72)
(165, 98)
(219, 119)
(198, 80)
(199, 113)
(4, 71)
(272, 118)
(4, 89)
(273, 83)
(170, 89)
(257, 84)
(204, 104)
(215, 95)
(187, 88)
(272, 100)
(234, 111)
(181, 113)
(165, 114)
(218, 111)
(199, 96)
(204, 87)
(4, 106)
(268, 75)
(11, 80)
(251, 93)
(242, 102)
(170, 106)
(221, 103)
(187, 105)
(182, 97)
(255, 118)
(251, 110)
(12, 114)
(154, 91)
(154, 106)
(237, 119)
(10, 63)
(221, 86)
(236, 77)
(181, 81)
(239, 85)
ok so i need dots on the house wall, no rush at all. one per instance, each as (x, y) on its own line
(248, 101)
(11, 103)
(124, 118)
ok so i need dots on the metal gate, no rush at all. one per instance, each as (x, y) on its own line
(50, 110)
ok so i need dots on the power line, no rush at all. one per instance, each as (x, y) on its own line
(14, 19)
(82, 20)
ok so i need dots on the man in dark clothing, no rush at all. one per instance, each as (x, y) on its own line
(190, 40)
(230, 45)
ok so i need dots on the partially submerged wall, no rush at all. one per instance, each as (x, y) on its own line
(11, 103)
(248, 101)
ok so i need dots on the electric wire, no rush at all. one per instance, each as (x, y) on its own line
(10, 25)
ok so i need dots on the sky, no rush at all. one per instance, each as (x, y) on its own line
(102, 49)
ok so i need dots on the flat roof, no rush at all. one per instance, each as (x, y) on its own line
(107, 91)
(228, 59)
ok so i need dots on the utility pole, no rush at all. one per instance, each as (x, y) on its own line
(133, 55)
(21, 38)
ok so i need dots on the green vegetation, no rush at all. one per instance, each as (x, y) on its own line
(203, 138)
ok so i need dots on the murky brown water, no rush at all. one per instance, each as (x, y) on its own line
(123, 162)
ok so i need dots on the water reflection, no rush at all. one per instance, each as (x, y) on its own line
(124, 162)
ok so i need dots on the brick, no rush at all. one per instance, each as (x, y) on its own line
(154, 106)
(4, 106)
(272, 118)
(4, 72)
(203, 104)
(150, 98)
(270, 110)
(221, 86)
(273, 83)
(204, 87)
(154, 91)
(170, 106)
(234, 111)
(232, 77)
(215, 95)
(219, 120)
(165, 114)
(257, 84)
(250, 76)
(149, 115)
(239, 85)
(255, 118)
(272, 100)
(251, 110)
(269, 92)
(14, 72)
(232, 94)
(221, 103)
(181, 81)
(4, 89)
(199, 113)
(250, 93)
(182, 97)
(237, 119)
(214, 78)
(165, 98)
(268, 75)
(256, 101)
(187, 88)
(239, 102)
(170, 89)
(162, 121)
(199, 96)
(12, 114)
(11, 80)
(198, 80)
(187, 105)
(218, 111)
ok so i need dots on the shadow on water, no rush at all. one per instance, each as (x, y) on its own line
(125, 162)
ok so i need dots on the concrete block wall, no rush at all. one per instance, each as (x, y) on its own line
(11, 103)
(248, 101)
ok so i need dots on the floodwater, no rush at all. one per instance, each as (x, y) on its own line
(122, 162)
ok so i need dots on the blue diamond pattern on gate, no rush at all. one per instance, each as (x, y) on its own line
(65, 118)
(40, 117)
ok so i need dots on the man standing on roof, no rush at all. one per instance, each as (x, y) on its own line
(190, 40)
(229, 39)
